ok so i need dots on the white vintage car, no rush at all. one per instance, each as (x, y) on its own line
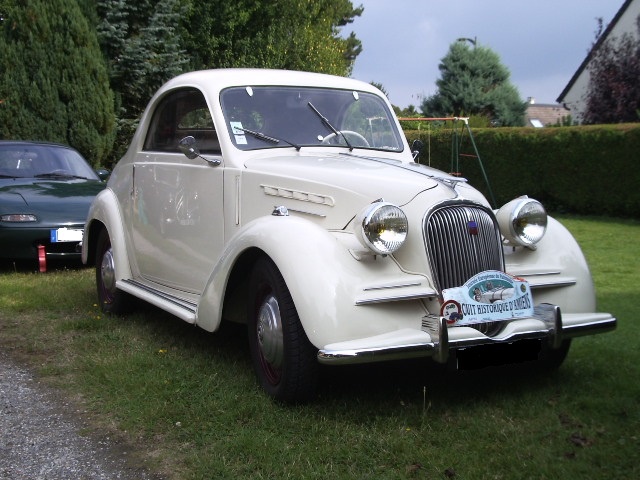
(291, 202)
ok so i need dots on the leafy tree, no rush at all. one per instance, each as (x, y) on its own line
(613, 94)
(287, 34)
(53, 81)
(147, 42)
(474, 82)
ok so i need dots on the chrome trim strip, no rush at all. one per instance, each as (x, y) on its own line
(552, 284)
(306, 212)
(398, 298)
(191, 307)
(317, 198)
(534, 274)
(400, 285)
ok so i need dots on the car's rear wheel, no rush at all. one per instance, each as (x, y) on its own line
(111, 299)
(283, 357)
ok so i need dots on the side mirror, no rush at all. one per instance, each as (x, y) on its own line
(416, 148)
(103, 174)
(188, 146)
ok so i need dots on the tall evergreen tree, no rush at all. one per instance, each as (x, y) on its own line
(474, 82)
(53, 81)
(141, 41)
(613, 94)
(142, 44)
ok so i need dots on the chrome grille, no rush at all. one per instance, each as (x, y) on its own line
(458, 248)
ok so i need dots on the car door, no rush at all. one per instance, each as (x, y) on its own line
(177, 218)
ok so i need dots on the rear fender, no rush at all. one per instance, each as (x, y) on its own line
(105, 213)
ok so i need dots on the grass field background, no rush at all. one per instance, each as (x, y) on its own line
(187, 403)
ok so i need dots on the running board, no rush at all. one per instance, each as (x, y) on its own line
(177, 306)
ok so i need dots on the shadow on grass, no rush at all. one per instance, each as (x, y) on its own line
(376, 384)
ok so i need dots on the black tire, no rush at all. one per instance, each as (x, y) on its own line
(552, 358)
(284, 360)
(110, 298)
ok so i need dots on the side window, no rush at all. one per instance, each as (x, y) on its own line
(180, 114)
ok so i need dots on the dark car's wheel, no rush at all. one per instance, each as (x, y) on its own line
(111, 299)
(283, 357)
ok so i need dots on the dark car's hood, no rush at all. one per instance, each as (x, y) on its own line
(52, 201)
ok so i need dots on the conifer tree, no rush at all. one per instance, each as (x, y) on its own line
(474, 82)
(53, 81)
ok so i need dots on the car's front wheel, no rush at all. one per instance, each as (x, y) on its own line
(552, 358)
(283, 357)
(111, 299)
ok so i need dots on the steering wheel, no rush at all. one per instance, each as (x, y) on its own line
(360, 140)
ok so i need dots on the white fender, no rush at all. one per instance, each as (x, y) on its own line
(106, 209)
(556, 270)
(323, 279)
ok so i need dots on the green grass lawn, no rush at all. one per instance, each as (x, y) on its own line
(188, 401)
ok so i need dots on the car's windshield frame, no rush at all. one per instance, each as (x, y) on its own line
(267, 117)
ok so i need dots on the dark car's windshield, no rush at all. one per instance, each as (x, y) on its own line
(272, 117)
(42, 161)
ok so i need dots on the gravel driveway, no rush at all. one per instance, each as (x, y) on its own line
(41, 435)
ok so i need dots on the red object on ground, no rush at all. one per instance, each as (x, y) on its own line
(42, 258)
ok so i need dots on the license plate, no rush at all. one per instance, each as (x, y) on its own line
(66, 235)
(489, 296)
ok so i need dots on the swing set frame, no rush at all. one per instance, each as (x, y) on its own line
(457, 138)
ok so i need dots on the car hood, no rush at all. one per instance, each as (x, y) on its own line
(346, 183)
(368, 177)
(53, 201)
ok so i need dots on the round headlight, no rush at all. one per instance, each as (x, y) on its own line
(522, 221)
(383, 227)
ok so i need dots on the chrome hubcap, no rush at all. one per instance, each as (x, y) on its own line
(269, 330)
(107, 272)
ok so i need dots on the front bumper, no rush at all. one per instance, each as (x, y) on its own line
(22, 243)
(436, 339)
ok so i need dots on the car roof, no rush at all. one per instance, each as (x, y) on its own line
(214, 80)
(34, 142)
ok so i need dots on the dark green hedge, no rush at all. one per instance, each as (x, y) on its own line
(589, 170)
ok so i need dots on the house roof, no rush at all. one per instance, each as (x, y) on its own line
(543, 114)
(603, 37)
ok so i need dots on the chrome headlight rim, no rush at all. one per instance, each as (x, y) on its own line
(382, 228)
(523, 222)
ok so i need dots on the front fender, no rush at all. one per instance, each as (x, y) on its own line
(105, 211)
(556, 270)
(324, 280)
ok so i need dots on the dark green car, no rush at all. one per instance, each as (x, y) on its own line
(45, 193)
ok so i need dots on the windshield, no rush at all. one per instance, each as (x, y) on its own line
(42, 161)
(276, 117)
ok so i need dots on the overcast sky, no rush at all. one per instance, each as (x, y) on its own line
(541, 42)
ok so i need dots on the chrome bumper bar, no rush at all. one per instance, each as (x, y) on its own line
(436, 339)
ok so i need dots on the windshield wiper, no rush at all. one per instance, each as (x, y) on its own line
(327, 124)
(267, 138)
(59, 175)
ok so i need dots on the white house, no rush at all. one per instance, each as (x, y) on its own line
(573, 95)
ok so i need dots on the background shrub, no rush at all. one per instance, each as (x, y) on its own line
(583, 169)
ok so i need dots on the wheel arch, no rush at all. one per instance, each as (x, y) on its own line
(105, 214)
(309, 258)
